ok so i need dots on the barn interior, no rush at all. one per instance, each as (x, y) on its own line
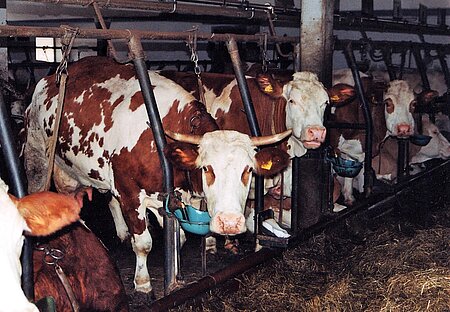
(228, 36)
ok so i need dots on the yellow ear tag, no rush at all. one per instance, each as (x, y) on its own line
(268, 89)
(335, 98)
(267, 165)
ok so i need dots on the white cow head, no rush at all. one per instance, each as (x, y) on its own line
(400, 102)
(33, 215)
(227, 159)
(438, 147)
(306, 100)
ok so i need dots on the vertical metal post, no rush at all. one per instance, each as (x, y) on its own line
(387, 57)
(421, 66)
(402, 159)
(367, 7)
(297, 62)
(251, 119)
(17, 188)
(368, 171)
(171, 237)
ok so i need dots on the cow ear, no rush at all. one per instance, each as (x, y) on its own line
(426, 97)
(47, 212)
(270, 161)
(182, 155)
(269, 86)
(341, 94)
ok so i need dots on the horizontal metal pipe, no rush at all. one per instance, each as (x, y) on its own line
(33, 31)
(210, 281)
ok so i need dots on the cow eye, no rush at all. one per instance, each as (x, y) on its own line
(205, 169)
(412, 106)
(291, 101)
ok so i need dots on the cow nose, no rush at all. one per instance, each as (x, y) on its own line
(403, 129)
(228, 223)
(316, 134)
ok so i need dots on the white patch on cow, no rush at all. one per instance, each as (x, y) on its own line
(12, 225)
(401, 95)
(306, 99)
(222, 102)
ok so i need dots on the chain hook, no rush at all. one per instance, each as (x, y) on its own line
(66, 46)
(263, 51)
(192, 45)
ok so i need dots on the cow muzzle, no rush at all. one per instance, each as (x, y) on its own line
(228, 223)
(314, 137)
(404, 130)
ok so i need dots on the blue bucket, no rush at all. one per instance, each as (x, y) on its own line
(420, 139)
(193, 220)
(346, 167)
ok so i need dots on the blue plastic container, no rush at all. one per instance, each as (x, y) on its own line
(193, 220)
(346, 167)
(420, 139)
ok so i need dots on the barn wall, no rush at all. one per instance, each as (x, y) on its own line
(55, 15)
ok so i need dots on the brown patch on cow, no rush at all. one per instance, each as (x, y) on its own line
(136, 100)
(75, 150)
(182, 155)
(101, 162)
(389, 104)
(210, 177)
(246, 175)
(94, 174)
(271, 161)
(101, 141)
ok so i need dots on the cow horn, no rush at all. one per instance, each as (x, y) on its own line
(186, 138)
(270, 139)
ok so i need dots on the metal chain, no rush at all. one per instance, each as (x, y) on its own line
(263, 51)
(66, 46)
(192, 45)
(52, 257)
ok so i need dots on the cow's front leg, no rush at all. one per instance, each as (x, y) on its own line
(347, 191)
(142, 245)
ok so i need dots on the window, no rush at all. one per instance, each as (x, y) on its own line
(48, 49)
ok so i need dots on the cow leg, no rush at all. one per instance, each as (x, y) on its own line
(347, 191)
(142, 245)
(119, 221)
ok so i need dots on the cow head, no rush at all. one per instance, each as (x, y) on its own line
(32, 215)
(438, 147)
(227, 159)
(306, 101)
(399, 102)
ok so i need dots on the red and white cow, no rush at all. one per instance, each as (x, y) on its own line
(392, 119)
(105, 142)
(92, 276)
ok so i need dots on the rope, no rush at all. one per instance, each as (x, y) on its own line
(61, 79)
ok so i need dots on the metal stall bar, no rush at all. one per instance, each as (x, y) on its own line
(17, 187)
(171, 228)
(368, 171)
(416, 49)
(251, 119)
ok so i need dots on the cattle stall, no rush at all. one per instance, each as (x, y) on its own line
(252, 13)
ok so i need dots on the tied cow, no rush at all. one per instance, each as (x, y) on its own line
(105, 142)
(392, 117)
(95, 282)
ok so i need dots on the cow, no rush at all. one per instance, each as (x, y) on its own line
(92, 276)
(391, 119)
(105, 142)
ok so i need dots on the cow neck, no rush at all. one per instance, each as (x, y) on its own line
(278, 116)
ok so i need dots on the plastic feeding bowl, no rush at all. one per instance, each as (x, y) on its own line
(420, 139)
(193, 220)
(346, 167)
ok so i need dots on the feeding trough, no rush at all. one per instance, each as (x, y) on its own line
(420, 139)
(345, 167)
(193, 220)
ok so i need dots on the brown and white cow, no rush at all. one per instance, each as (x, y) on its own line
(105, 142)
(391, 119)
(92, 275)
